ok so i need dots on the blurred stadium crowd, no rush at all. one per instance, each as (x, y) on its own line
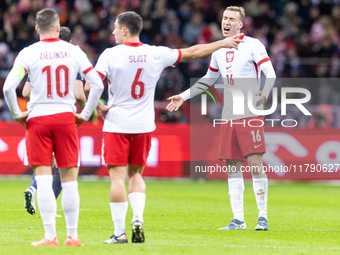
(302, 37)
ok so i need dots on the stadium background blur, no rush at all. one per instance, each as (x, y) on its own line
(301, 37)
(182, 217)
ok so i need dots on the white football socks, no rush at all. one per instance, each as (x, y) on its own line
(47, 204)
(137, 202)
(70, 204)
(260, 186)
(118, 213)
(236, 190)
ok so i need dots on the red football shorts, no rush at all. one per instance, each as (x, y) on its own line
(240, 138)
(52, 133)
(121, 149)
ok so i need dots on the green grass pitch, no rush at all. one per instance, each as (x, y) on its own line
(182, 217)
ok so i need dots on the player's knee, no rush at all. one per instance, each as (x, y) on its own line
(255, 164)
(134, 173)
(135, 169)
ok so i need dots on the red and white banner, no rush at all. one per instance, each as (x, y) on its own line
(168, 155)
(292, 153)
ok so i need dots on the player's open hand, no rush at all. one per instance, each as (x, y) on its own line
(79, 119)
(262, 99)
(175, 103)
(233, 41)
(103, 110)
(23, 118)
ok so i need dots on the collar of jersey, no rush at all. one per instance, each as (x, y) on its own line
(50, 40)
(241, 37)
(133, 44)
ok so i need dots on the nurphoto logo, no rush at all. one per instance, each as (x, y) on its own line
(239, 104)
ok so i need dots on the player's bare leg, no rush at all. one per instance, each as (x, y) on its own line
(236, 190)
(260, 186)
(70, 203)
(118, 203)
(47, 204)
(136, 192)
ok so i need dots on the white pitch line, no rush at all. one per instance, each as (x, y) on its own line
(280, 247)
(205, 245)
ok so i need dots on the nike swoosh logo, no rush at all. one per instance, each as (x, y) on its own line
(228, 67)
(260, 193)
(256, 146)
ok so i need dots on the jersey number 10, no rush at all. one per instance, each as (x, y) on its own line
(47, 69)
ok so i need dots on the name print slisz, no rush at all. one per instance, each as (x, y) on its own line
(137, 58)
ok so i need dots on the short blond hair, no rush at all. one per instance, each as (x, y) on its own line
(238, 9)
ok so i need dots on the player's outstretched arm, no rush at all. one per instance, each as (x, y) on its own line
(175, 103)
(177, 100)
(202, 50)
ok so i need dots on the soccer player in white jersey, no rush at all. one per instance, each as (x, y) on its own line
(31, 192)
(133, 69)
(53, 66)
(239, 142)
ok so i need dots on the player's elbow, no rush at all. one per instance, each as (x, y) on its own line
(6, 89)
(271, 74)
(99, 87)
(94, 83)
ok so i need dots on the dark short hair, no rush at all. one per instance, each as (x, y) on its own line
(45, 18)
(132, 21)
(65, 34)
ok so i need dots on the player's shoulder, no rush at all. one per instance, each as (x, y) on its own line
(117, 49)
(150, 48)
(70, 46)
(251, 41)
(31, 47)
(75, 49)
(29, 51)
(155, 47)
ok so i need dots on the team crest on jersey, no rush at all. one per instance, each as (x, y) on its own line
(230, 56)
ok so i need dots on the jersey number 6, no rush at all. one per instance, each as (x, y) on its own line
(47, 69)
(137, 88)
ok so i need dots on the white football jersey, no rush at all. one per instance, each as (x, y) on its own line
(132, 70)
(239, 69)
(52, 65)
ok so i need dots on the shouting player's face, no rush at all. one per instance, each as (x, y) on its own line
(118, 33)
(231, 23)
